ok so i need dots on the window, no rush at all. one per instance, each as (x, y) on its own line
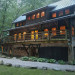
(17, 25)
(61, 13)
(36, 32)
(20, 24)
(46, 32)
(72, 30)
(33, 16)
(42, 14)
(28, 18)
(54, 15)
(67, 11)
(24, 23)
(15, 35)
(24, 33)
(32, 35)
(62, 30)
(19, 36)
(54, 31)
(38, 15)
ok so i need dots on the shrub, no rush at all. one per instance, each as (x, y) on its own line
(33, 58)
(74, 62)
(42, 60)
(25, 58)
(61, 62)
(51, 61)
(1, 62)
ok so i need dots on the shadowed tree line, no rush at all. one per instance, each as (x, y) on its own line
(11, 9)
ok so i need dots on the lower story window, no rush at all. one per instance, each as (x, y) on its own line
(19, 36)
(24, 33)
(32, 35)
(15, 36)
(36, 34)
(54, 31)
(46, 32)
(62, 30)
(72, 30)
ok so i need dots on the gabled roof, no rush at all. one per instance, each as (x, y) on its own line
(62, 4)
(21, 18)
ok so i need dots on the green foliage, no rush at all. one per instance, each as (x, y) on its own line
(61, 62)
(51, 61)
(42, 60)
(33, 58)
(11, 9)
(25, 58)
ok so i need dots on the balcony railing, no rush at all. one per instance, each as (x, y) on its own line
(40, 36)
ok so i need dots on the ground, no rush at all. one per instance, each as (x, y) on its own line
(4, 70)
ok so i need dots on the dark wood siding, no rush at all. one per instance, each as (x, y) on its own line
(58, 53)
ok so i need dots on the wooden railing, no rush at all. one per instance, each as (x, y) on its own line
(40, 36)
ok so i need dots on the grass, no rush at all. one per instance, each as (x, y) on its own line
(4, 70)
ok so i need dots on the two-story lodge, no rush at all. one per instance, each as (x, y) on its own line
(47, 32)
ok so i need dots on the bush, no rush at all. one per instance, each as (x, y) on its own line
(51, 61)
(42, 60)
(1, 62)
(25, 58)
(33, 58)
(74, 62)
(61, 62)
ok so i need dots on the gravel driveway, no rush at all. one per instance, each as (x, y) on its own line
(39, 65)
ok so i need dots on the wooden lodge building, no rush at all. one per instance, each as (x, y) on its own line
(47, 32)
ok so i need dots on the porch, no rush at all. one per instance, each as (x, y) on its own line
(44, 36)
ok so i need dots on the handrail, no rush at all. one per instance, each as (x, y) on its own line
(40, 36)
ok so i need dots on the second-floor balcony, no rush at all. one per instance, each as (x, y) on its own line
(39, 37)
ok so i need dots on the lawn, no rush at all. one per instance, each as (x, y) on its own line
(4, 70)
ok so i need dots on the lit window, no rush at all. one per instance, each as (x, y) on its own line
(28, 18)
(42, 14)
(72, 30)
(46, 32)
(24, 23)
(54, 15)
(33, 16)
(38, 15)
(32, 35)
(20, 24)
(61, 13)
(67, 11)
(54, 31)
(62, 30)
(17, 24)
(36, 32)
(24, 33)
(15, 35)
(19, 36)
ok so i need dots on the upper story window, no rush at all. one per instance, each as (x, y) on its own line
(38, 15)
(28, 18)
(67, 11)
(61, 13)
(54, 15)
(24, 23)
(20, 24)
(33, 16)
(17, 24)
(42, 14)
